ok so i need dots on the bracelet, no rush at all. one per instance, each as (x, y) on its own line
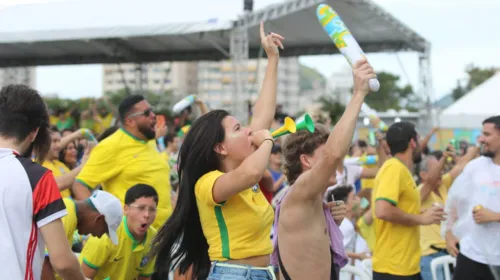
(268, 139)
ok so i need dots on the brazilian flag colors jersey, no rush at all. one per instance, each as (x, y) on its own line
(122, 161)
(125, 261)
(238, 228)
(397, 247)
(58, 169)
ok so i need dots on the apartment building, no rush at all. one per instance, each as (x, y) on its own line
(210, 80)
(340, 85)
(18, 75)
(215, 84)
(178, 77)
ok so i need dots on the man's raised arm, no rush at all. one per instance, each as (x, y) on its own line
(315, 181)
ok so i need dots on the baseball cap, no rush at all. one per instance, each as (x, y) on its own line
(109, 206)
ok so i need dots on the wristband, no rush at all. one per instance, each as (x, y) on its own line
(268, 139)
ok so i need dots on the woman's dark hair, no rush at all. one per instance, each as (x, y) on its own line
(197, 157)
(22, 111)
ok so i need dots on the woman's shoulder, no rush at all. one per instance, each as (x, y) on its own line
(204, 185)
(208, 179)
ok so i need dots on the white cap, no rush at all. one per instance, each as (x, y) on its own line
(109, 206)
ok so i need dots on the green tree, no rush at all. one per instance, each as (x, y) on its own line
(475, 77)
(334, 108)
(393, 96)
(458, 91)
(162, 102)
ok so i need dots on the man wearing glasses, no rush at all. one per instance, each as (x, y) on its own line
(130, 259)
(129, 157)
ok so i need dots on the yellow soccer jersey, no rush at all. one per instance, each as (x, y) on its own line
(430, 235)
(104, 123)
(125, 261)
(70, 223)
(227, 236)
(397, 247)
(367, 232)
(58, 169)
(122, 161)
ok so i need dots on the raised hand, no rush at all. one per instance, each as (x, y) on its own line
(362, 72)
(271, 42)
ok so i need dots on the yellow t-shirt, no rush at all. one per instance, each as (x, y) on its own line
(105, 123)
(397, 247)
(53, 120)
(238, 228)
(368, 183)
(70, 223)
(58, 169)
(431, 234)
(125, 261)
(122, 161)
(367, 232)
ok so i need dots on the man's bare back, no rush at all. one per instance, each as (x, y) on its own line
(303, 232)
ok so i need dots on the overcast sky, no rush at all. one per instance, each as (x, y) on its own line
(461, 32)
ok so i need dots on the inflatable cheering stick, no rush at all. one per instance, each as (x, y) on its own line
(342, 38)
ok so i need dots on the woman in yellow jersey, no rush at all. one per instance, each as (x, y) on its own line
(221, 225)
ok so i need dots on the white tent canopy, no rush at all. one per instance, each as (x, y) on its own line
(120, 31)
(469, 111)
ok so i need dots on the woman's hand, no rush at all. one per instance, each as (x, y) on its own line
(271, 42)
(258, 137)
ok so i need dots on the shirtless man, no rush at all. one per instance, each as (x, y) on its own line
(305, 230)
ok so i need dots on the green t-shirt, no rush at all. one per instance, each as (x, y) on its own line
(88, 124)
(68, 123)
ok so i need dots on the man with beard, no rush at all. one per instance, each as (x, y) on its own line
(474, 210)
(397, 211)
(129, 157)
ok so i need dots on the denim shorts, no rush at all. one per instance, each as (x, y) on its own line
(226, 271)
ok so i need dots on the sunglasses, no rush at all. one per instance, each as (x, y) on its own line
(144, 113)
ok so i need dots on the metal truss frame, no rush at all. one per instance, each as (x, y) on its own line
(240, 50)
(11, 74)
(425, 89)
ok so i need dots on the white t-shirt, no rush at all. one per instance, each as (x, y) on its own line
(349, 233)
(351, 174)
(478, 184)
(351, 242)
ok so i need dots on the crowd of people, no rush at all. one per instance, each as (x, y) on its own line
(219, 200)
